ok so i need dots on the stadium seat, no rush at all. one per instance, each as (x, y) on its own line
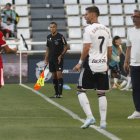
(73, 21)
(74, 33)
(25, 32)
(114, 1)
(76, 47)
(42, 13)
(116, 9)
(3, 2)
(21, 2)
(70, 1)
(117, 20)
(23, 22)
(84, 22)
(100, 1)
(128, 29)
(83, 7)
(120, 31)
(103, 9)
(104, 20)
(128, 1)
(38, 1)
(128, 20)
(23, 12)
(129, 8)
(85, 1)
(44, 24)
(72, 9)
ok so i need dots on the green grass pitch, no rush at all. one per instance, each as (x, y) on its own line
(26, 116)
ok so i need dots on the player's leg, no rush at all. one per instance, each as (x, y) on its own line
(1, 75)
(83, 99)
(59, 69)
(102, 86)
(52, 69)
(135, 78)
(60, 83)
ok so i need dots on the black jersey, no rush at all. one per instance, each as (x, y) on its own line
(56, 45)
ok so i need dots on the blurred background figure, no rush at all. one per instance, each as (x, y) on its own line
(8, 12)
(114, 65)
(8, 29)
(9, 17)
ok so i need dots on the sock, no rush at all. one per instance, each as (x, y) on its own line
(115, 80)
(128, 82)
(109, 77)
(103, 107)
(123, 77)
(60, 85)
(123, 83)
(55, 84)
(84, 102)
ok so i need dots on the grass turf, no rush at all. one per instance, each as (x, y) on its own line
(26, 116)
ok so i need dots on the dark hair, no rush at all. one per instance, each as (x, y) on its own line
(9, 19)
(93, 9)
(114, 39)
(8, 4)
(54, 23)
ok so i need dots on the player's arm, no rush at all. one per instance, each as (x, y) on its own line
(66, 47)
(127, 59)
(83, 56)
(7, 49)
(109, 53)
(47, 56)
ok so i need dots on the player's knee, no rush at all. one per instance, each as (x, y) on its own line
(100, 93)
(80, 90)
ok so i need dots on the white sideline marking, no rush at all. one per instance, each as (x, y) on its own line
(73, 115)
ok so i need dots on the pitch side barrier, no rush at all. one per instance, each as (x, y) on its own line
(35, 56)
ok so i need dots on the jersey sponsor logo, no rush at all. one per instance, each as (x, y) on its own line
(99, 61)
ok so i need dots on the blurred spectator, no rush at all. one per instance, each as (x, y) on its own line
(1, 24)
(8, 29)
(7, 12)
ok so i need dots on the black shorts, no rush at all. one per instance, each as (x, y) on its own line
(89, 80)
(54, 66)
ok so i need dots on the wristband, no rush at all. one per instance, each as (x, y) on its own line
(80, 62)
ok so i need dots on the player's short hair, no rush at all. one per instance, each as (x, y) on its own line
(8, 4)
(136, 13)
(54, 23)
(93, 9)
(114, 39)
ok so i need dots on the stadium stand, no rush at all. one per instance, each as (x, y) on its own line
(42, 13)
(36, 15)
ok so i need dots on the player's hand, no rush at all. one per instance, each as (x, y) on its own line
(59, 59)
(46, 62)
(14, 49)
(77, 67)
(126, 67)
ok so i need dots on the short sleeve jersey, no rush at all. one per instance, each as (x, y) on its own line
(2, 44)
(56, 45)
(100, 39)
(133, 40)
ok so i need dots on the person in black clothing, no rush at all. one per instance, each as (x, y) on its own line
(56, 49)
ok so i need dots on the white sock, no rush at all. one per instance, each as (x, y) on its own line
(128, 82)
(109, 77)
(84, 102)
(123, 77)
(123, 83)
(115, 80)
(103, 107)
